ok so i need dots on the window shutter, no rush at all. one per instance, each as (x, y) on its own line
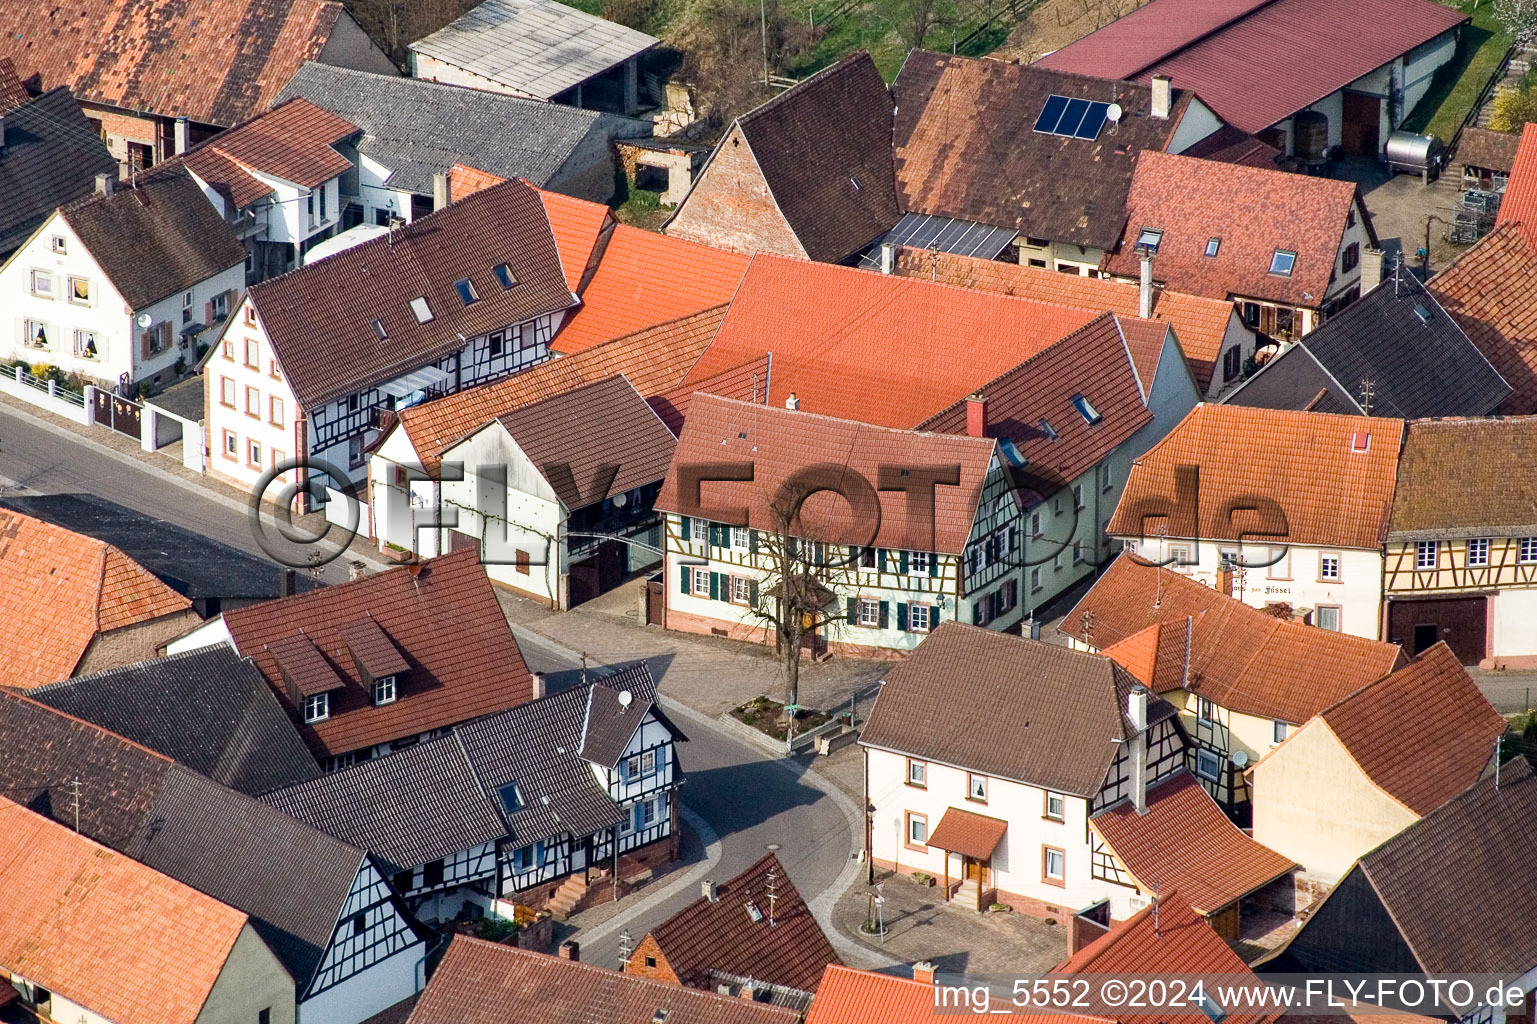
(684, 522)
(718, 536)
(980, 610)
(885, 619)
(933, 617)
(752, 541)
(686, 573)
(933, 563)
(715, 586)
(902, 562)
(752, 593)
(902, 616)
(853, 611)
(1013, 538)
(208, 312)
(145, 344)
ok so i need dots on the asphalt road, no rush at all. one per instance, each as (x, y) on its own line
(36, 458)
(748, 800)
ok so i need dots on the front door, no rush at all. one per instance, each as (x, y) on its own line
(1360, 125)
(975, 870)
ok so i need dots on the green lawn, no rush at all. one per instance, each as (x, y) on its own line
(1457, 84)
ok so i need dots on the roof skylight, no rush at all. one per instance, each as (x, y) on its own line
(1086, 409)
(1282, 262)
(466, 290)
(422, 311)
(504, 275)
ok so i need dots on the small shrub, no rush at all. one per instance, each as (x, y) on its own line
(922, 878)
(497, 929)
(1000, 908)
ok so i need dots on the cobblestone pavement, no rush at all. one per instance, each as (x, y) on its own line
(921, 926)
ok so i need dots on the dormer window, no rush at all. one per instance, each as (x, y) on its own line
(511, 799)
(317, 708)
(1282, 262)
(466, 290)
(504, 275)
(383, 691)
(421, 310)
(1148, 240)
(1086, 409)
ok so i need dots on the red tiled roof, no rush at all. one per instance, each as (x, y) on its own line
(644, 279)
(720, 935)
(481, 982)
(1252, 210)
(1185, 842)
(294, 141)
(1424, 764)
(1228, 145)
(579, 228)
(217, 62)
(464, 180)
(779, 443)
(1256, 63)
(1329, 494)
(1491, 291)
(1093, 363)
(320, 317)
(969, 833)
(1200, 324)
(1176, 941)
(1519, 204)
(67, 587)
(445, 621)
(102, 930)
(887, 350)
(12, 93)
(1239, 657)
(744, 383)
(652, 360)
(849, 996)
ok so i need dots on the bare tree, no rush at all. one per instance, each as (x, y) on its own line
(919, 17)
(797, 597)
(1517, 16)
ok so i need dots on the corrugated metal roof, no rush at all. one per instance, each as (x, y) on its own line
(538, 47)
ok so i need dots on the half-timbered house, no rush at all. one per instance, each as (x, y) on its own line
(379, 664)
(323, 905)
(311, 360)
(1461, 551)
(1241, 680)
(1018, 772)
(541, 806)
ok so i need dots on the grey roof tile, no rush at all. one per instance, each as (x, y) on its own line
(52, 155)
(209, 709)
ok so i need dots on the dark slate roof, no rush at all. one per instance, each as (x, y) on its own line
(209, 709)
(609, 723)
(439, 797)
(966, 147)
(337, 299)
(52, 155)
(1297, 381)
(184, 399)
(1005, 706)
(290, 878)
(824, 147)
(156, 239)
(189, 563)
(1418, 359)
(409, 808)
(605, 423)
(536, 746)
(416, 128)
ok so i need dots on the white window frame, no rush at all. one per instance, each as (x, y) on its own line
(701, 530)
(867, 612)
(384, 691)
(928, 618)
(31, 329)
(741, 590)
(918, 563)
(1078, 499)
(739, 538)
(1061, 804)
(1335, 611)
(1280, 567)
(1035, 579)
(220, 305)
(69, 290)
(1481, 545)
(1526, 551)
(1205, 710)
(913, 839)
(1426, 554)
(1278, 731)
(82, 339)
(1048, 853)
(976, 787)
(1205, 759)
(917, 773)
(699, 575)
(1324, 573)
(317, 708)
(45, 292)
(58, 245)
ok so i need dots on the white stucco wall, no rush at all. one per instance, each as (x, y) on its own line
(243, 341)
(1199, 121)
(1515, 624)
(361, 996)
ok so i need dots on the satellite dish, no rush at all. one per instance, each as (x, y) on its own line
(1113, 113)
(625, 697)
(1240, 758)
(144, 320)
(620, 500)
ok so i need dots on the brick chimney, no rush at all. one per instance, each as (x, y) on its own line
(287, 582)
(1136, 711)
(749, 993)
(1163, 97)
(976, 416)
(924, 971)
(571, 950)
(1225, 579)
(539, 684)
(1145, 288)
(183, 135)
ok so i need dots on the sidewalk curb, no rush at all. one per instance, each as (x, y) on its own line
(694, 875)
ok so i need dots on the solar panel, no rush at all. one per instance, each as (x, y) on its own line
(1093, 121)
(1051, 114)
(1072, 117)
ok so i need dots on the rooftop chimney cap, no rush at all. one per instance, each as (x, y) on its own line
(792, 403)
(708, 890)
(106, 184)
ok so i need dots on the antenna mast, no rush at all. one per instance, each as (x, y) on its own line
(1368, 392)
(74, 790)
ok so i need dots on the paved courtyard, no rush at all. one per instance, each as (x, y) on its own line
(920, 925)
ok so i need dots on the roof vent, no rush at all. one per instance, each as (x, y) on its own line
(421, 310)
(658, 1017)
(1361, 441)
(792, 403)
